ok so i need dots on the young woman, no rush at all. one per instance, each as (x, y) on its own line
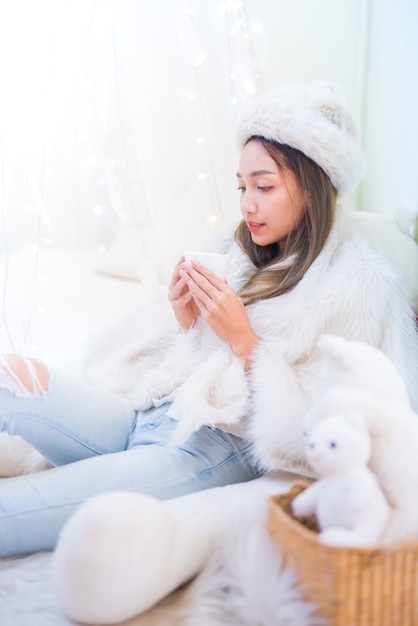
(222, 399)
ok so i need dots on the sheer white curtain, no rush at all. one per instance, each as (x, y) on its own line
(52, 77)
(183, 67)
(52, 186)
(119, 113)
(115, 130)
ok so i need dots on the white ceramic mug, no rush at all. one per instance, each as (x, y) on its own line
(219, 264)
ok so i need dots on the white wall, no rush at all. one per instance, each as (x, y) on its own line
(391, 108)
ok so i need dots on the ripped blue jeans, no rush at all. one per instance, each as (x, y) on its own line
(97, 443)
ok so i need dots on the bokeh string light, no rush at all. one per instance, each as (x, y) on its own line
(244, 63)
(195, 57)
(244, 68)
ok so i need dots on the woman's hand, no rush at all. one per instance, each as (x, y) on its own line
(181, 300)
(220, 307)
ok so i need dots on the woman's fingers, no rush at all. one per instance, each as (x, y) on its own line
(175, 277)
(211, 299)
(202, 281)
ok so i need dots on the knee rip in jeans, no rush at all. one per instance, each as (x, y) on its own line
(23, 376)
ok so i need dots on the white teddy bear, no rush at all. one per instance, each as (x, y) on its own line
(349, 505)
(359, 378)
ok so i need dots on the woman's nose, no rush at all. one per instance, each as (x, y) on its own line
(248, 204)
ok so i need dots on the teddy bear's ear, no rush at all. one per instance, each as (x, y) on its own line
(358, 364)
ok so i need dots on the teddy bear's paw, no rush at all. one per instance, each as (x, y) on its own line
(360, 537)
(301, 507)
(338, 537)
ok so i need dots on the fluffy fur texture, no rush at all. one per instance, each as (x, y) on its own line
(358, 377)
(347, 500)
(18, 457)
(315, 119)
(107, 564)
(350, 290)
(246, 583)
(229, 391)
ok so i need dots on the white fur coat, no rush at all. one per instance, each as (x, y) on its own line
(350, 290)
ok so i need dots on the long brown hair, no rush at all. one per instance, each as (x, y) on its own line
(278, 271)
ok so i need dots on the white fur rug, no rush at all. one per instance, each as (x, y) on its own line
(27, 597)
(245, 584)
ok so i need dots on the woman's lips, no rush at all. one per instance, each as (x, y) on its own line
(254, 227)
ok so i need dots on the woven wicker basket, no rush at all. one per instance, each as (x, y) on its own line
(350, 586)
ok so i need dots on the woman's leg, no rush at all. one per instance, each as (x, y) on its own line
(64, 419)
(34, 507)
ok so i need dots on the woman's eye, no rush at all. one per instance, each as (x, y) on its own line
(262, 189)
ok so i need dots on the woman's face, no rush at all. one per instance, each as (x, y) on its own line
(271, 202)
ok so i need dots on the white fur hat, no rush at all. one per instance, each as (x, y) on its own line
(314, 118)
